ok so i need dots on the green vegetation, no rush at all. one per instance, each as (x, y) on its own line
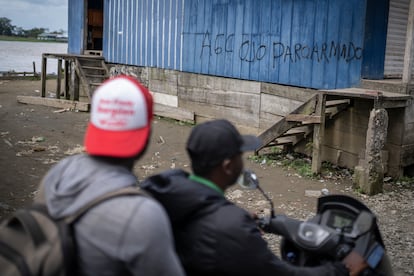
(299, 163)
(13, 33)
(302, 166)
(26, 39)
(19, 38)
(405, 181)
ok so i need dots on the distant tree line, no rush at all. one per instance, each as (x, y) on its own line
(6, 28)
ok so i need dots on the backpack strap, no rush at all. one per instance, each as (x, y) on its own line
(15, 257)
(68, 241)
(131, 190)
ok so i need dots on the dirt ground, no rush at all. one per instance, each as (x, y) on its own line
(34, 137)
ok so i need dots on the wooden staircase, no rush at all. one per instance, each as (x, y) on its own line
(92, 71)
(301, 122)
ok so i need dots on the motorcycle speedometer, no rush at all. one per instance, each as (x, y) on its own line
(312, 235)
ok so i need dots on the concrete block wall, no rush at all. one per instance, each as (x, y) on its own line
(345, 137)
(408, 138)
(213, 97)
(255, 106)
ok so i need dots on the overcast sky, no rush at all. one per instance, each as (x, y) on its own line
(28, 14)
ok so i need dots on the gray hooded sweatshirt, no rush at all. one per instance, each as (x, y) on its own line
(126, 235)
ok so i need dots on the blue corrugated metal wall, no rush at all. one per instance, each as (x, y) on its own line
(309, 43)
(143, 32)
(376, 24)
(76, 13)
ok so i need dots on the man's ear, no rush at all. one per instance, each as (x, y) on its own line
(227, 166)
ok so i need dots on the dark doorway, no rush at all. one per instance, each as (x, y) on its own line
(95, 26)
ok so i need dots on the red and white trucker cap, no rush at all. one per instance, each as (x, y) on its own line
(120, 121)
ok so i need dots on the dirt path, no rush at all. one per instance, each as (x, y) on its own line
(33, 138)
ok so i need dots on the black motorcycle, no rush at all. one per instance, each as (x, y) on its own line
(341, 224)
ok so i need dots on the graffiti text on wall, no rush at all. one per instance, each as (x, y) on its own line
(250, 49)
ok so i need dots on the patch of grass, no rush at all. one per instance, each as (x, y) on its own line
(301, 164)
(270, 158)
(303, 167)
(405, 182)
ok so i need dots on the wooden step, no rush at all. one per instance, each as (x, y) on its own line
(96, 76)
(90, 57)
(284, 125)
(288, 140)
(96, 83)
(303, 119)
(284, 141)
(301, 130)
(296, 126)
(92, 63)
(93, 68)
(336, 107)
(337, 102)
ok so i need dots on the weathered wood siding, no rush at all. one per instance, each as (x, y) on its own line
(210, 97)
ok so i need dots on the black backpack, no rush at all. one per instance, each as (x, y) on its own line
(33, 243)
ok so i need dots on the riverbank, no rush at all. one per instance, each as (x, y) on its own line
(27, 39)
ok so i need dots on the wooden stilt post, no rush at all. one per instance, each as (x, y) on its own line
(76, 88)
(318, 134)
(59, 78)
(44, 68)
(67, 94)
(34, 69)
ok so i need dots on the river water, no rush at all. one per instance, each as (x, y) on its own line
(19, 56)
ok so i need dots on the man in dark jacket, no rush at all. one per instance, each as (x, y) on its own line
(213, 236)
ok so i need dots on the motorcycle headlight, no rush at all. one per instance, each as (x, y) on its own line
(312, 235)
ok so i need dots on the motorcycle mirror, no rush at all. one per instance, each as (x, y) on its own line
(248, 180)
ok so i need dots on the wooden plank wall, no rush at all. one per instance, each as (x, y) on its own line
(211, 97)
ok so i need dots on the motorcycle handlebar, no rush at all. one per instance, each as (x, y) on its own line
(280, 225)
(306, 235)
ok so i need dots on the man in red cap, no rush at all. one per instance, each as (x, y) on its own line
(214, 236)
(124, 235)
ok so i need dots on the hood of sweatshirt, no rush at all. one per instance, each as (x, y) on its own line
(77, 180)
